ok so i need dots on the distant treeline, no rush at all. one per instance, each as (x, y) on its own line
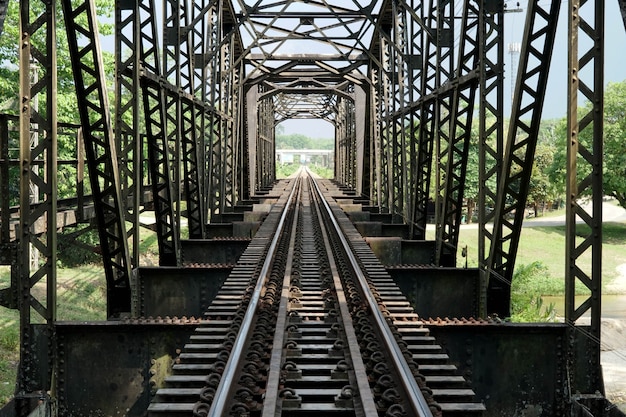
(300, 141)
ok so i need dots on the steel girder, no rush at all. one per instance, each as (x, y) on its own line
(528, 101)
(426, 132)
(265, 145)
(385, 130)
(100, 150)
(442, 13)
(224, 78)
(583, 258)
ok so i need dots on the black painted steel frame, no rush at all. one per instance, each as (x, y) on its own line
(155, 113)
(520, 148)
(38, 184)
(583, 262)
(100, 150)
(491, 131)
(419, 98)
(456, 154)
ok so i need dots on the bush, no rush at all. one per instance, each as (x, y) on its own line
(530, 282)
(285, 170)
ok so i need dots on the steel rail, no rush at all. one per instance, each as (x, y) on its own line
(415, 397)
(232, 366)
(365, 393)
(273, 375)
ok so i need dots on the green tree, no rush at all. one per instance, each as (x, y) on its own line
(541, 189)
(615, 142)
(9, 59)
(614, 155)
(67, 110)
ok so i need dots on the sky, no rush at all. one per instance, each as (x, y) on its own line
(556, 95)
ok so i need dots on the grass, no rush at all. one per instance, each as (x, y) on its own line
(80, 297)
(547, 245)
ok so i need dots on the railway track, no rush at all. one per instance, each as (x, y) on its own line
(309, 322)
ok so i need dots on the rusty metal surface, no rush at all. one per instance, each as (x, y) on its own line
(439, 292)
(516, 369)
(111, 368)
(175, 291)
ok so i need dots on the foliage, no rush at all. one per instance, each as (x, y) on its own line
(9, 57)
(614, 157)
(322, 171)
(286, 170)
(614, 138)
(300, 141)
(73, 247)
(530, 282)
(541, 189)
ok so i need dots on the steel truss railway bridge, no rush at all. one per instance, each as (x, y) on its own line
(188, 134)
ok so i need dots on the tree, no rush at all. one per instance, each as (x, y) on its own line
(67, 111)
(9, 60)
(615, 142)
(541, 189)
(614, 155)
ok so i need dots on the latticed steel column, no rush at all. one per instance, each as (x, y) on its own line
(442, 12)
(462, 107)
(528, 102)
(95, 116)
(38, 166)
(491, 129)
(265, 147)
(583, 258)
(214, 79)
(345, 136)
(203, 39)
(427, 122)
(397, 134)
(153, 95)
(376, 176)
(127, 109)
(185, 135)
(173, 54)
(384, 84)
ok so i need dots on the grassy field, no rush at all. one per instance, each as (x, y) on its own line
(547, 246)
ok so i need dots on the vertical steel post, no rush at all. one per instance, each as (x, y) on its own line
(583, 258)
(491, 130)
(38, 165)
